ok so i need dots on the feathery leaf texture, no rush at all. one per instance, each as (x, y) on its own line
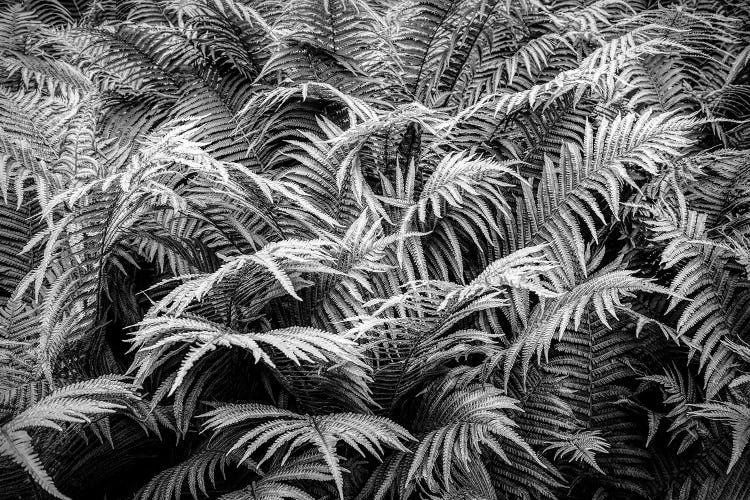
(375, 249)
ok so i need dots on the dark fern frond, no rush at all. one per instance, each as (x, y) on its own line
(17, 24)
(587, 357)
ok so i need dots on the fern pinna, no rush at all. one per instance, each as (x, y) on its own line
(374, 249)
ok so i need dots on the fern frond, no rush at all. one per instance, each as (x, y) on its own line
(601, 293)
(738, 416)
(16, 25)
(275, 427)
(162, 337)
(170, 483)
(52, 76)
(680, 391)
(275, 485)
(127, 57)
(703, 277)
(657, 82)
(567, 197)
(599, 65)
(276, 269)
(595, 365)
(520, 270)
(325, 53)
(236, 34)
(460, 182)
(19, 221)
(18, 446)
(414, 334)
(75, 403)
(32, 129)
(454, 426)
(581, 446)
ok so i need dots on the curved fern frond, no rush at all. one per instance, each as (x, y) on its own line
(414, 335)
(738, 416)
(568, 195)
(704, 277)
(163, 337)
(76, 403)
(656, 82)
(275, 428)
(581, 446)
(602, 291)
(275, 485)
(170, 483)
(460, 184)
(453, 428)
(680, 391)
(255, 279)
(18, 446)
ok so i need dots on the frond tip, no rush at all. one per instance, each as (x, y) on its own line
(581, 446)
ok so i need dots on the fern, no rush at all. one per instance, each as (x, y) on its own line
(457, 427)
(158, 336)
(75, 403)
(192, 473)
(582, 447)
(276, 484)
(701, 277)
(602, 291)
(277, 427)
(734, 414)
(457, 249)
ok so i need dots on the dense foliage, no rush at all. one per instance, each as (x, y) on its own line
(375, 249)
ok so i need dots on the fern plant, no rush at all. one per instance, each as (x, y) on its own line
(374, 249)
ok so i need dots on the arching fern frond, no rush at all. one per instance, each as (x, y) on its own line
(163, 337)
(738, 416)
(568, 196)
(76, 403)
(454, 426)
(581, 446)
(466, 189)
(275, 428)
(704, 277)
(279, 482)
(603, 291)
(253, 279)
(170, 483)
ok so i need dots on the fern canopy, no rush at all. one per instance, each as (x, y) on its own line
(375, 249)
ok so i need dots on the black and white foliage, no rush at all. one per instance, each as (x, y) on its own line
(375, 249)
